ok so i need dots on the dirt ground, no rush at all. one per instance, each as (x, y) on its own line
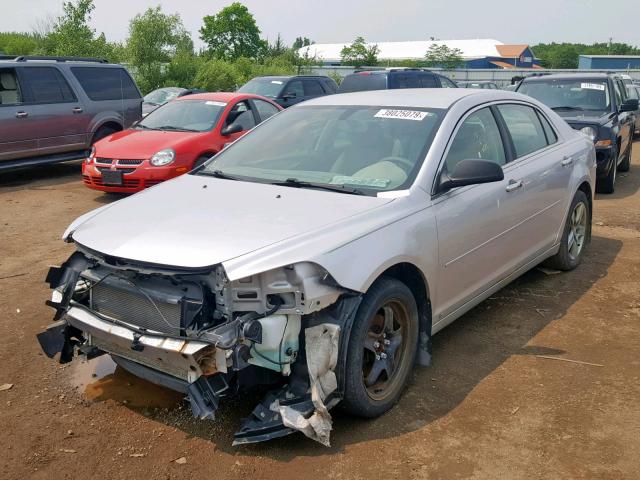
(491, 406)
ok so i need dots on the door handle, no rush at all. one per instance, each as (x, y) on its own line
(77, 110)
(566, 161)
(22, 114)
(514, 185)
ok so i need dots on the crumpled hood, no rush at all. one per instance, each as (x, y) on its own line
(141, 143)
(196, 221)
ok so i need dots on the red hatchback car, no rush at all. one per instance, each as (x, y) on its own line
(172, 140)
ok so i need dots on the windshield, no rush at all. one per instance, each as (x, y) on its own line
(579, 94)
(263, 86)
(161, 96)
(369, 148)
(184, 115)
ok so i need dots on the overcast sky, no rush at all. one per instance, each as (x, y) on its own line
(326, 21)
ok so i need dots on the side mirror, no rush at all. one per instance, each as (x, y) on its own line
(471, 172)
(629, 105)
(231, 129)
(289, 95)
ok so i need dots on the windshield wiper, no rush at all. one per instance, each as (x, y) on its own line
(144, 127)
(176, 129)
(218, 174)
(567, 107)
(294, 182)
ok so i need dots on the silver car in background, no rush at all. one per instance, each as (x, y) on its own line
(321, 252)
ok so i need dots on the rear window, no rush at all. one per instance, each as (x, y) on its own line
(359, 82)
(106, 83)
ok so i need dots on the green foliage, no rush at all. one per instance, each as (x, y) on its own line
(14, 43)
(218, 75)
(300, 42)
(358, 54)
(182, 70)
(336, 77)
(232, 33)
(443, 56)
(565, 55)
(72, 36)
(277, 48)
(159, 48)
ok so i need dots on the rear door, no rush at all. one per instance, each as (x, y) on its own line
(312, 88)
(16, 138)
(54, 111)
(542, 169)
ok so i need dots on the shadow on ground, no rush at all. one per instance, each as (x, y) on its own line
(464, 354)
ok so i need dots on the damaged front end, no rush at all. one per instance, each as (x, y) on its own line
(196, 332)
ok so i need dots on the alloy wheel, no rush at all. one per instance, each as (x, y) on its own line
(577, 230)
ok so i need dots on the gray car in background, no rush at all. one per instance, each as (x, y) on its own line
(322, 250)
(53, 109)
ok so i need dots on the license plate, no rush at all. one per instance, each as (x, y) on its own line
(112, 177)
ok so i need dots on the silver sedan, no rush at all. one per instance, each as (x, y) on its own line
(321, 252)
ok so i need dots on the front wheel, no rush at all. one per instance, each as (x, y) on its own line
(382, 348)
(575, 235)
(625, 165)
(200, 161)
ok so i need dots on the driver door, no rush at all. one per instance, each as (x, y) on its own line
(242, 114)
(475, 223)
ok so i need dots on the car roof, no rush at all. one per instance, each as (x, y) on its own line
(287, 77)
(218, 96)
(567, 76)
(413, 97)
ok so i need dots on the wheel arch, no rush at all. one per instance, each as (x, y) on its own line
(415, 280)
(586, 189)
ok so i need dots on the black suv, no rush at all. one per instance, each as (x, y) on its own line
(52, 109)
(287, 91)
(598, 105)
(393, 78)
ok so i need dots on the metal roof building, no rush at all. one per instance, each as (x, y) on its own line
(613, 62)
(478, 53)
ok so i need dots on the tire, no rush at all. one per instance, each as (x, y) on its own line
(200, 161)
(608, 184)
(625, 165)
(374, 383)
(569, 257)
(101, 133)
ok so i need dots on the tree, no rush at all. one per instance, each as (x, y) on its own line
(277, 48)
(232, 33)
(565, 55)
(218, 75)
(155, 38)
(14, 43)
(71, 34)
(443, 56)
(359, 54)
(300, 42)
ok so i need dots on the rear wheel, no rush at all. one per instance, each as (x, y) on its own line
(625, 165)
(575, 235)
(101, 133)
(382, 348)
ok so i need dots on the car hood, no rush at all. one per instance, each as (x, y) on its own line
(584, 116)
(196, 221)
(141, 143)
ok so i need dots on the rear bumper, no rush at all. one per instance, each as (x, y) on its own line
(142, 177)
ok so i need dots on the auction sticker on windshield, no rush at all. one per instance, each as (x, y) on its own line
(592, 86)
(402, 114)
(214, 103)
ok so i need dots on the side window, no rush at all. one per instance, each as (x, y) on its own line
(241, 114)
(477, 138)
(428, 81)
(265, 109)
(548, 129)
(446, 83)
(101, 83)
(524, 127)
(9, 88)
(399, 81)
(47, 85)
(294, 87)
(329, 86)
(616, 88)
(312, 88)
